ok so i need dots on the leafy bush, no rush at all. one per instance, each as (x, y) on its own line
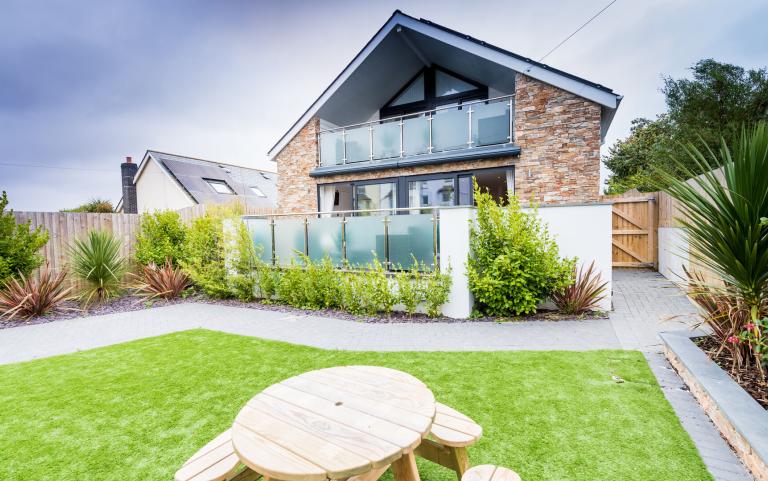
(437, 290)
(410, 288)
(96, 260)
(584, 294)
(166, 282)
(19, 244)
(99, 206)
(28, 297)
(726, 231)
(204, 255)
(161, 237)
(514, 263)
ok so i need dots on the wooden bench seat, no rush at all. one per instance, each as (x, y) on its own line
(489, 472)
(216, 461)
(448, 439)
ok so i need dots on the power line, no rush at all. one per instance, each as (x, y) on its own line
(60, 167)
(577, 30)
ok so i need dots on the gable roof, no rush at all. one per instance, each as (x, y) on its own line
(190, 174)
(595, 92)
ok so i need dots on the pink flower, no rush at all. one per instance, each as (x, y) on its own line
(733, 339)
(749, 326)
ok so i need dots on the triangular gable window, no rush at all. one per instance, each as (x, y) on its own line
(447, 84)
(413, 93)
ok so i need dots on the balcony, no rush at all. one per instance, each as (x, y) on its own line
(437, 135)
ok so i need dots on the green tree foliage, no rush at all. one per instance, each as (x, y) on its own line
(161, 237)
(710, 106)
(514, 263)
(19, 244)
(99, 206)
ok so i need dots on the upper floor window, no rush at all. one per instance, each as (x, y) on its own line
(220, 186)
(430, 88)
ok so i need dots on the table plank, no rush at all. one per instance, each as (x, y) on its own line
(456, 424)
(217, 464)
(264, 456)
(376, 450)
(223, 438)
(390, 373)
(389, 431)
(337, 461)
(390, 394)
(408, 419)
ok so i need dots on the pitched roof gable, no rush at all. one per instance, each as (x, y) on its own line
(584, 88)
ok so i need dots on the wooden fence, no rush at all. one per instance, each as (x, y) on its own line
(64, 227)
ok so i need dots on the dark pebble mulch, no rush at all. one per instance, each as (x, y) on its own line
(748, 379)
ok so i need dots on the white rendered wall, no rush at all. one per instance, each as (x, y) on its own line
(673, 253)
(156, 191)
(454, 249)
(584, 231)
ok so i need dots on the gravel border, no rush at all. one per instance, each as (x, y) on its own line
(70, 310)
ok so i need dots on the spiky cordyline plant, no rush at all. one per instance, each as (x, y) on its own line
(96, 260)
(167, 282)
(723, 221)
(28, 297)
(584, 295)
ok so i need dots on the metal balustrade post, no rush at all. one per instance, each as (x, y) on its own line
(387, 263)
(429, 121)
(344, 146)
(469, 128)
(511, 135)
(344, 239)
(370, 142)
(306, 236)
(272, 228)
(435, 258)
(402, 145)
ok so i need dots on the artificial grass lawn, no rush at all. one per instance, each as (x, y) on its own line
(137, 411)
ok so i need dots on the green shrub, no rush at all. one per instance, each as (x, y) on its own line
(383, 296)
(290, 288)
(436, 291)
(96, 205)
(19, 244)
(514, 263)
(410, 288)
(203, 256)
(161, 237)
(96, 261)
(241, 259)
(320, 285)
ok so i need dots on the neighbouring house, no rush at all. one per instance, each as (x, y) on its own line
(423, 109)
(167, 181)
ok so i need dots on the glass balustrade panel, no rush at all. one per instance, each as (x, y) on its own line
(260, 231)
(365, 240)
(490, 123)
(386, 140)
(289, 240)
(415, 135)
(358, 140)
(450, 129)
(411, 237)
(331, 148)
(324, 237)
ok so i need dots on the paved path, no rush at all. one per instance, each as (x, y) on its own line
(644, 304)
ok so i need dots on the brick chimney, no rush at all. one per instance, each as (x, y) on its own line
(128, 170)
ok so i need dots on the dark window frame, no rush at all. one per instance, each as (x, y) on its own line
(431, 100)
(401, 184)
(210, 181)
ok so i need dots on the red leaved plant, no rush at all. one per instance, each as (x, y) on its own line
(27, 297)
(584, 295)
(167, 282)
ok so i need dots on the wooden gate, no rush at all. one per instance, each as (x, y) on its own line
(634, 232)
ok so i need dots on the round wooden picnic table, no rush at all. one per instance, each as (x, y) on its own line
(336, 423)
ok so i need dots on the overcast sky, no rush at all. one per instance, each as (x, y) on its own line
(85, 83)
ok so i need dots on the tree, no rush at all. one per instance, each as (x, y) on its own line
(710, 106)
(19, 244)
(99, 206)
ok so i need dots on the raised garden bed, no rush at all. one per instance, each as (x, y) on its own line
(132, 303)
(748, 379)
(738, 416)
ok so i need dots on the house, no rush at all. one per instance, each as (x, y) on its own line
(167, 181)
(423, 109)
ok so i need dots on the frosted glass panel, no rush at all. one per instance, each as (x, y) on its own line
(386, 140)
(261, 234)
(325, 239)
(490, 123)
(289, 238)
(331, 148)
(416, 135)
(450, 130)
(358, 144)
(363, 235)
(411, 235)
(413, 93)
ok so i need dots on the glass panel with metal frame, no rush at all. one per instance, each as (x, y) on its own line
(450, 129)
(415, 135)
(364, 238)
(358, 141)
(386, 139)
(411, 239)
(490, 123)
(324, 236)
(260, 231)
(289, 240)
(331, 148)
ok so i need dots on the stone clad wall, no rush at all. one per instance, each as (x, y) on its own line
(558, 133)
